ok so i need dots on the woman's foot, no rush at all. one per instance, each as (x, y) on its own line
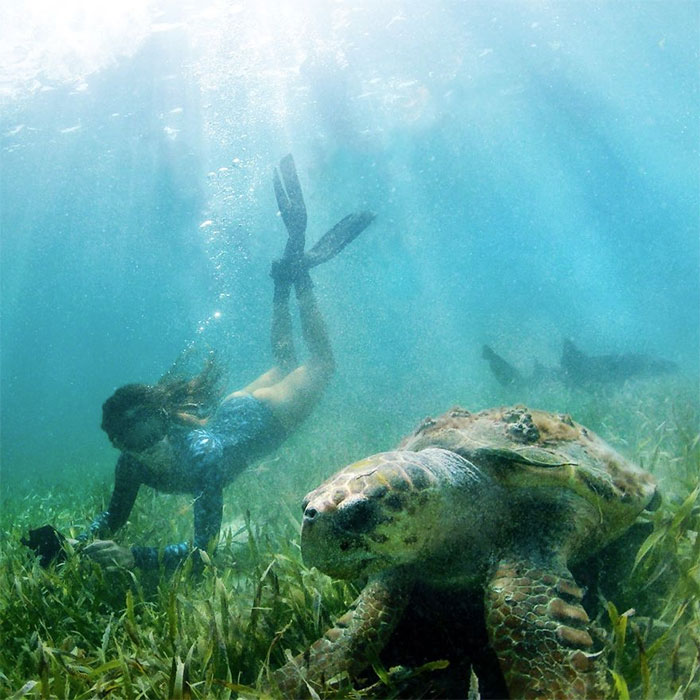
(290, 201)
(287, 269)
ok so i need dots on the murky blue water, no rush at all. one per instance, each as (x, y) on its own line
(533, 167)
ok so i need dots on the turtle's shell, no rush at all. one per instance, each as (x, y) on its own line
(555, 450)
(464, 486)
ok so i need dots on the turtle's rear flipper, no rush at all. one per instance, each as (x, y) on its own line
(290, 201)
(539, 631)
(47, 543)
(333, 241)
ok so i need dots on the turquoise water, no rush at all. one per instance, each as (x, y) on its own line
(533, 167)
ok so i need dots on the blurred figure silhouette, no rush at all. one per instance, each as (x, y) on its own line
(578, 369)
(505, 373)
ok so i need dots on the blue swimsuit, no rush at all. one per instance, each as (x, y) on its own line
(202, 462)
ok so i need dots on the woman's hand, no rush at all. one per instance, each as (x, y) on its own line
(109, 554)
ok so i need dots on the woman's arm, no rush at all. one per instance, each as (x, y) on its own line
(208, 509)
(109, 553)
(127, 481)
(208, 512)
(206, 453)
(126, 487)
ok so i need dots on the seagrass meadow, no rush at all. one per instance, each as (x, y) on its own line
(74, 630)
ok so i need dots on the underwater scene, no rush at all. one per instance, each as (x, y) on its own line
(350, 349)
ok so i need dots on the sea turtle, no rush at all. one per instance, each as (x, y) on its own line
(501, 502)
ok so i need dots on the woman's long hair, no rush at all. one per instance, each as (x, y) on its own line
(199, 395)
(159, 404)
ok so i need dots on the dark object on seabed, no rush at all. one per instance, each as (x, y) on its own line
(47, 543)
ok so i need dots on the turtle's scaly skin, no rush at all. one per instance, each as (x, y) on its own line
(546, 656)
(362, 631)
(501, 502)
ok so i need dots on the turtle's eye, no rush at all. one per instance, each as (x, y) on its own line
(357, 516)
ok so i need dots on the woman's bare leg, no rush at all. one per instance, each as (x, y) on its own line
(281, 331)
(290, 201)
(313, 328)
(282, 341)
(292, 398)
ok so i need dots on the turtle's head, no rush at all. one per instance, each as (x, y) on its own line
(388, 510)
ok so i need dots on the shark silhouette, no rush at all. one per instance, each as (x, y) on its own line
(576, 368)
(579, 368)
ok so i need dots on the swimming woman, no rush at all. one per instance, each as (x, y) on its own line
(177, 436)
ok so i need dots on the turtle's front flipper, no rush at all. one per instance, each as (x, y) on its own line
(356, 639)
(538, 630)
